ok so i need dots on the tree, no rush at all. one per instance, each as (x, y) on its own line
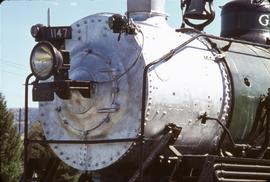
(42, 152)
(10, 146)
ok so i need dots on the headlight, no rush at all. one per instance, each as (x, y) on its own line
(45, 60)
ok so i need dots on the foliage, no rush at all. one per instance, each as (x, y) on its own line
(39, 150)
(42, 153)
(10, 146)
(66, 173)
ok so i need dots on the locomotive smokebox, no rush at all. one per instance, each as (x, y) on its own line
(246, 20)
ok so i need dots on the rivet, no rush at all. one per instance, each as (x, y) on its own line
(115, 90)
(157, 112)
(247, 82)
(96, 164)
(88, 50)
(56, 147)
(65, 121)
(85, 22)
(41, 105)
(118, 153)
(92, 21)
(79, 38)
(103, 162)
(47, 133)
(58, 109)
(99, 20)
(107, 119)
(111, 159)
(164, 113)
(79, 31)
(78, 25)
(67, 158)
(42, 114)
(173, 93)
(61, 153)
(74, 162)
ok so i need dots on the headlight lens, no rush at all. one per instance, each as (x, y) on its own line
(45, 59)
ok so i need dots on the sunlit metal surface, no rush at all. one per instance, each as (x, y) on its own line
(113, 111)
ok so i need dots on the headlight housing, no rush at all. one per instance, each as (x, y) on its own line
(45, 60)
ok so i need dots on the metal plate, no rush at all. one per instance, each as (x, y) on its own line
(55, 33)
(113, 110)
(189, 84)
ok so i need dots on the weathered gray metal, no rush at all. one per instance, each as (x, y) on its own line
(112, 111)
(177, 92)
(194, 81)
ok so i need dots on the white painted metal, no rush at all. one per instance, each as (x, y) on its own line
(149, 6)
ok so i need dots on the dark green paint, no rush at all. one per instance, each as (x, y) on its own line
(250, 71)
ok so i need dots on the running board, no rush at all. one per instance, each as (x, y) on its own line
(228, 169)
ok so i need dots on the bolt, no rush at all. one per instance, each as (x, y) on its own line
(58, 109)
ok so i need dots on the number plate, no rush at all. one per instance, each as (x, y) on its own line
(56, 33)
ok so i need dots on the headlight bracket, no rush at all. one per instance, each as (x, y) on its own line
(53, 39)
(62, 88)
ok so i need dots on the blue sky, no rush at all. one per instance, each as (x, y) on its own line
(16, 42)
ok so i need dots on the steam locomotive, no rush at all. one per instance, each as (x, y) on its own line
(128, 98)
